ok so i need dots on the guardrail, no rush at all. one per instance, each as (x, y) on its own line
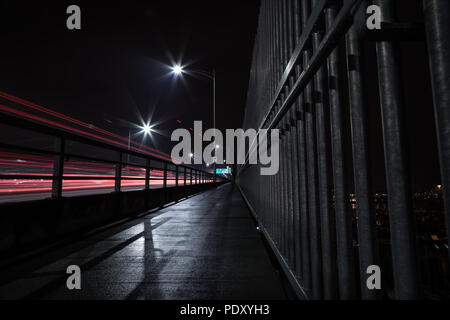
(109, 168)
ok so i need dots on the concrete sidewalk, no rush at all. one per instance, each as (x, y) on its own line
(205, 247)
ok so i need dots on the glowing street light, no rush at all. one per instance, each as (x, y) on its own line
(177, 70)
(147, 129)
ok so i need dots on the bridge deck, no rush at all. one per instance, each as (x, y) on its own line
(205, 247)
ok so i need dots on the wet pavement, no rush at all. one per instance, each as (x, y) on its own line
(205, 247)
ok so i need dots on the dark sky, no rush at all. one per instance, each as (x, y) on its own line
(115, 67)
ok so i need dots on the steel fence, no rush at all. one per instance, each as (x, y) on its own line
(307, 56)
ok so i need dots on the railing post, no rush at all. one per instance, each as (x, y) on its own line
(176, 176)
(365, 212)
(185, 176)
(58, 168)
(118, 177)
(165, 175)
(403, 240)
(147, 175)
(191, 176)
(344, 243)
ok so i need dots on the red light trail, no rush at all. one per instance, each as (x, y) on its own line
(80, 123)
(102, 174)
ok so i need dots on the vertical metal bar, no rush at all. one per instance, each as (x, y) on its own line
(303, 198)
(284, 191)
(272, 50)
(165, 175)
(118, 177)
(314, 221)
(176, 176)
(326, 216)
(364, 199)
(147, 174)
(437, 23)
(344, 239)
(398, 184)
(279, 60)
(288, 128)
(190, 176)
(305, 271)
(276, 206)
(296, 229)
(284, 54)
(58, 168)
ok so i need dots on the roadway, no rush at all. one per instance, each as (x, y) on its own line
(204, 247)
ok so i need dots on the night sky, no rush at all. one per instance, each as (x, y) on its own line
(116, 67)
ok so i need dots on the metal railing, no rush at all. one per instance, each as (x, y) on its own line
(63, 164)
(307, 57)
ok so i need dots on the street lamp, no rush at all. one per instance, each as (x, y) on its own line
(178, 70)
(147, 129)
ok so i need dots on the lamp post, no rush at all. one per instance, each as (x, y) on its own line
(178, 70)
(146, 129)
